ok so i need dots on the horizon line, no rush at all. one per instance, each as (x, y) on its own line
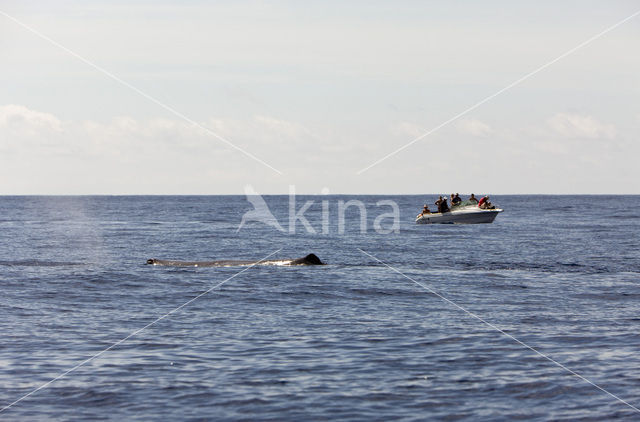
(298, 194)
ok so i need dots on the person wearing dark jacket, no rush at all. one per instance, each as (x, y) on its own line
(444, 207)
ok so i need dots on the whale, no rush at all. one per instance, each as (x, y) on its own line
(310, 259)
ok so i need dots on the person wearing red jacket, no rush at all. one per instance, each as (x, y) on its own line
(484, 203)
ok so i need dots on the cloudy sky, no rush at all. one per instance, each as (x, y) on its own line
(318, 92)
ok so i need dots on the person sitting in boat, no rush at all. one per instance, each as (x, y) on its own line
(456, 200)
(485, 204)
(444, 207)
(473, 198)
(425, 211)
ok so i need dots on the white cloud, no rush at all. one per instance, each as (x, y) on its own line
(408, 129)
(474, 127)
(281, 126)
(273, 131)
(21, 120)
(573, 125)
(21, 128)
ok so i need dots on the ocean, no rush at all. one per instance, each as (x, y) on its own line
(533, 317)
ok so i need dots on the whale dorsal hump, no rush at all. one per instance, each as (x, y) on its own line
(312, 259)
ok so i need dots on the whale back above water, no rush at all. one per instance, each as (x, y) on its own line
(310, 259)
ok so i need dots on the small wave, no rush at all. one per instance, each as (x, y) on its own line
(543, 267)
(625, 217)
(609, 296)
(38, 263)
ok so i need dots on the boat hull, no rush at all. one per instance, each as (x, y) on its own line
(463, 216)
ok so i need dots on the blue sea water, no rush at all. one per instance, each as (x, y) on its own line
(353, 340)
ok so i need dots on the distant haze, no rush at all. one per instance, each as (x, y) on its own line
(319, 91)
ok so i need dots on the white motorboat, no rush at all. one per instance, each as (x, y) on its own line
(464, 214)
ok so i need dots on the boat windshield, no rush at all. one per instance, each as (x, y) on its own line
(467, 204)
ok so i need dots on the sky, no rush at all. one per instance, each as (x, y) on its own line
(208, 97)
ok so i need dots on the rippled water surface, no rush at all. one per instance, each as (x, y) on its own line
(352, 340)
